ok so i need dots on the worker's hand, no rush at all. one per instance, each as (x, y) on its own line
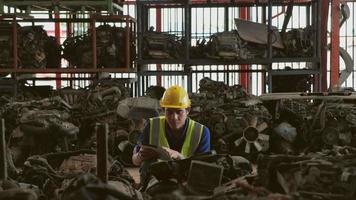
(175, 155)
(147, 154)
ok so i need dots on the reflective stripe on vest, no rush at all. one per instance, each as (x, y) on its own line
(192, 137)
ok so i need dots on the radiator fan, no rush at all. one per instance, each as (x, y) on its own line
(252, 139)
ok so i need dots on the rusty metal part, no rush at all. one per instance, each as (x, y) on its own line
(78, 164)
(238, 121)
(252, 135)
(287, 131)
(155, 92)
(299, 42)
(89, 186)
(311, 176)
(109, 43)
(161, 45)
(257, 33)
(18, 193)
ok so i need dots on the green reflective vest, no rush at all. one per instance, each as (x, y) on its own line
(192, 137)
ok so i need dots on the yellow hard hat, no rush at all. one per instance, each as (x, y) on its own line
(175, 97)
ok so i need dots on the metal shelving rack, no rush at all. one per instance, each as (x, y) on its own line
(92, 12)
(130, 28)
(143, 7)
(111, 6)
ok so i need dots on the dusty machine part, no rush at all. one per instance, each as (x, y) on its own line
(299, 42)
(161, 45)
(38, 50)
(174, 177)
(233, 167)
(312, 176)
(225, 45)
(240, 188)
(37, 127)
(18, 193)
(238, 121)
(110, 44)
(247, 42)
(138, 108)
(78, 164)
(39, 172)
(252, 135)
(321, 120)
(155, 92)
(89, 186)
(72, 96)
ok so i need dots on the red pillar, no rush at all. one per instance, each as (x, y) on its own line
(244, 76)
(335, 43)
(57, 34)
(159, 28)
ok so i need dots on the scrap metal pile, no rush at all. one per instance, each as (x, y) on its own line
(51, 141)
(326, 175)
(304, 149)
(35, 48)
(110, 48)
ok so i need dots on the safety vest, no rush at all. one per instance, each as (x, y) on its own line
(192, 136)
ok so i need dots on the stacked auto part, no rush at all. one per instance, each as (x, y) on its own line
(161, 45)
(249, 41)
(319, 176)
(299, 42)
(238, 122)
(110, 48)
(35, 48)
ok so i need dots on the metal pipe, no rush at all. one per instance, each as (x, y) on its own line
(159, 29)
(245, 77)
(93, 35)
(14, 42)
(3, 162)
(324, 10)
(102, 130)
(57, 30)
(335, 43)
(128, 32)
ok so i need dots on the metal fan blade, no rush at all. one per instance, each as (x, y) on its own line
(247, 147)
(238, 141)
(258, 146)
(253, 121)
(262, 127)
(263, 137)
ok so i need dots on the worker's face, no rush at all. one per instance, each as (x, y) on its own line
(176, 117)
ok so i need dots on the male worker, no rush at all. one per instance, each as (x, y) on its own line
(179, 135)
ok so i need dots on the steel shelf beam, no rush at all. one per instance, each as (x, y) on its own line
(66, 5)
(67, 70)
(225, 62)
